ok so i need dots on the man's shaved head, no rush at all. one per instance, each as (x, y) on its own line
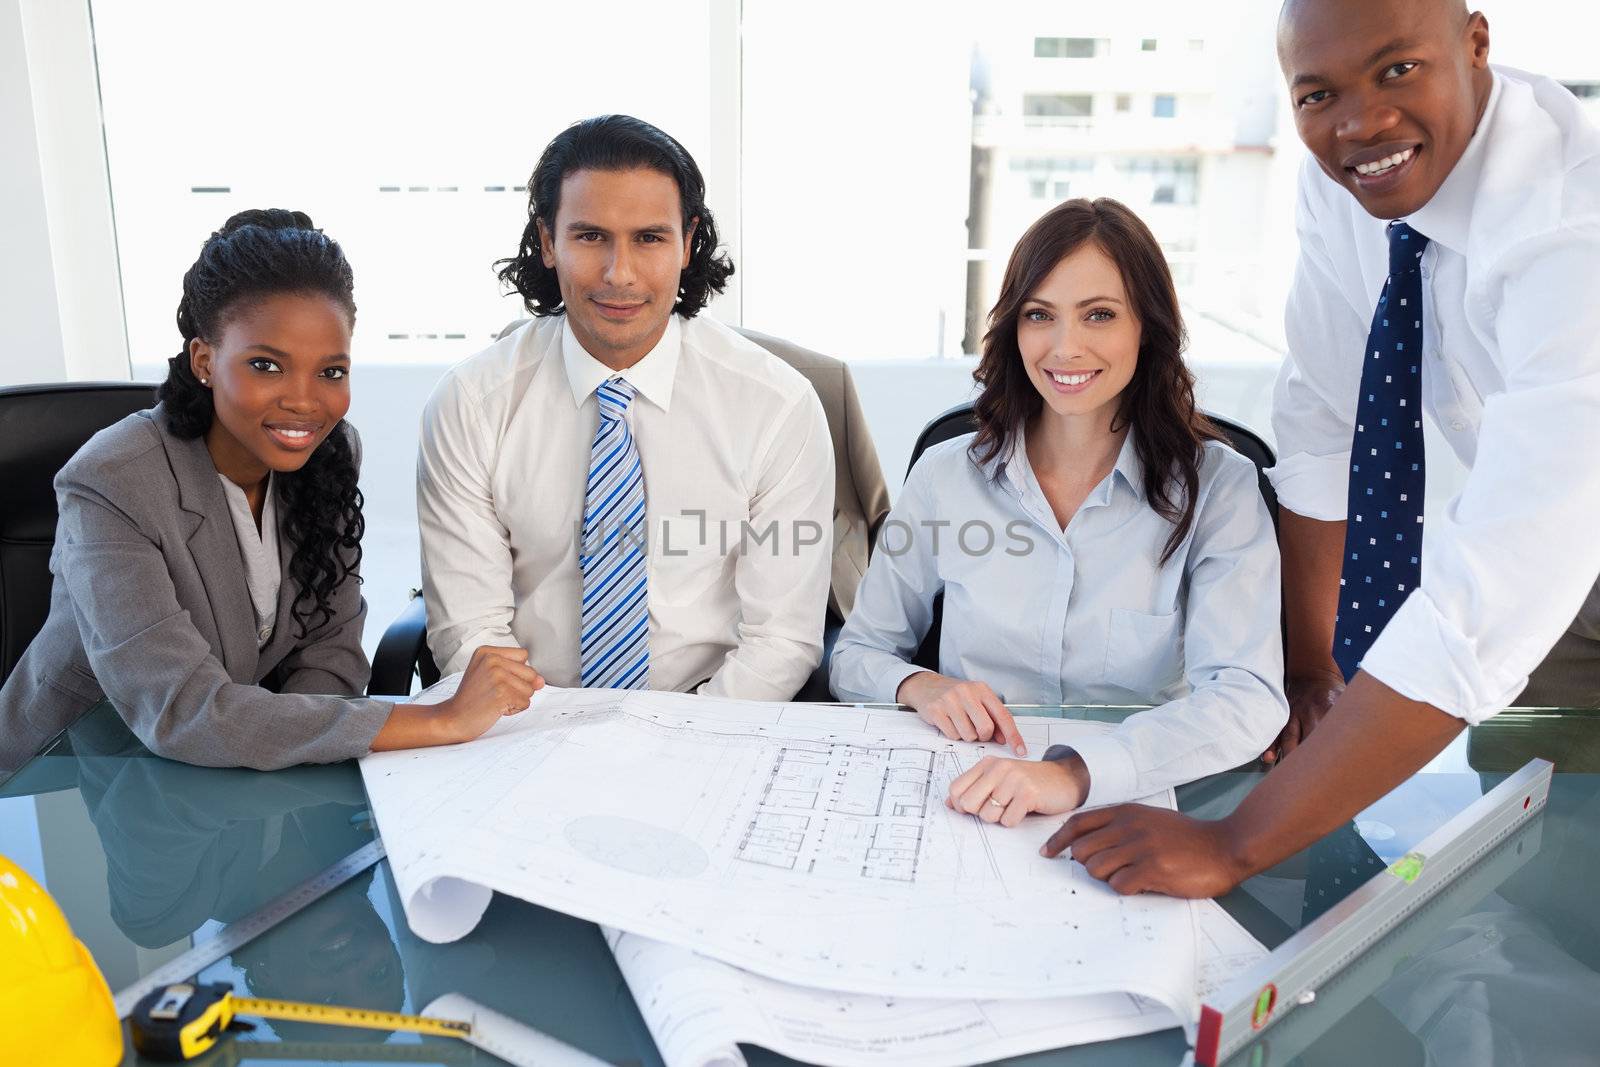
(1453, 9)
(1386, 93)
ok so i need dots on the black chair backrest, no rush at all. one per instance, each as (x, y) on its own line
(403, 653)
(41, 427)
(960, 420)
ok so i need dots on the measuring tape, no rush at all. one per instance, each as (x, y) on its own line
(1290, 976)
(235, 935)
(235, 1053)
(185, 1020)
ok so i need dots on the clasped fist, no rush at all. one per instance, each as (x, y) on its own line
(497, 682)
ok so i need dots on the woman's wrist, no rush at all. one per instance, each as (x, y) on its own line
(414, 726)
(1072, 765)
(911, 688)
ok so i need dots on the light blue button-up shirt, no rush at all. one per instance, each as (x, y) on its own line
(1085, 615)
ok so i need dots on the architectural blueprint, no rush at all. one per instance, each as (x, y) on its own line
(699, 1010)
(807, 844)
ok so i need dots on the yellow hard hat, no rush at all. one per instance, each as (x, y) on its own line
(55, 1007)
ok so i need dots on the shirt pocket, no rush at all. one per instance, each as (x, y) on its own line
(1144, 652)
(687, 560)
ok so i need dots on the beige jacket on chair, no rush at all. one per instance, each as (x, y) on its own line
(860, 495)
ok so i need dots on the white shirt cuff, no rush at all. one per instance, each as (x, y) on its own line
(1423, 655)
(888, 684)
(1317, 487)
(1112, 776)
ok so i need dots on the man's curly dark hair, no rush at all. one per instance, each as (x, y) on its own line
(256, 254)
(615, 142)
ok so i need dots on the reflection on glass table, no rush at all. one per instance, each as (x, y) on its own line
(149, 857)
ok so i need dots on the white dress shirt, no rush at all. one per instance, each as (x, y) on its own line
(1085, 615)
(263, 567)
(738, 472)
(1511, 377)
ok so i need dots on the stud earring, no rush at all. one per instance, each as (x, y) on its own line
(205, 381)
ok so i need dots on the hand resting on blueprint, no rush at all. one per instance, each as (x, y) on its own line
(961, 710)
(1003, 790)
(1135, 848)
(497, 682)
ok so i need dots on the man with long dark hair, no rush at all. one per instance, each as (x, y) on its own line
(630, 490)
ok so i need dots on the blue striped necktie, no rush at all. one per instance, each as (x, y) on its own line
(614, 649)
(1383, 531)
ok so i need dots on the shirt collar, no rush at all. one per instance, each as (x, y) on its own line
(239, 506)
(651, 377)
(1446, 217)
(1013, 467)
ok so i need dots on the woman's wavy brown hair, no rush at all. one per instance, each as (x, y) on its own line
(1169, 433)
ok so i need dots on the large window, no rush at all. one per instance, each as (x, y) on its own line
(407, 132)
(870, 193)
(409, 136)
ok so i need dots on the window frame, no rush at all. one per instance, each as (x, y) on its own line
(64, 215)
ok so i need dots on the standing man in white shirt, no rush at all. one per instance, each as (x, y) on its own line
(631, 491)
(1449, 223)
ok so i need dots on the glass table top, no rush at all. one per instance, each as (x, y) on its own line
(148, 857)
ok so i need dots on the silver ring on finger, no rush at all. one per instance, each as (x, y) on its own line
(997, 803)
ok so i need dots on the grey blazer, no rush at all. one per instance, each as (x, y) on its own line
(149, 609)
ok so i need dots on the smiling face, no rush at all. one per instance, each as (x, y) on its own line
(618, 249)
(1079, 336)
(279, 380)
(1386, 93)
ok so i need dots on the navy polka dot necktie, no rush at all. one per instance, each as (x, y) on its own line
(1383, 532)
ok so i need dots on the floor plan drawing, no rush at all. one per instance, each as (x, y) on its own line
(850, 809)
(809, 844)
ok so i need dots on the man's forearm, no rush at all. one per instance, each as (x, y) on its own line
(1370, 742)
(1313, 554)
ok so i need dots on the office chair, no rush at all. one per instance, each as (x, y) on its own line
(403, 652)
(41, 427)
(960, 420)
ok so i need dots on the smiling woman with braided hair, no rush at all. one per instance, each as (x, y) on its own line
(206, 564)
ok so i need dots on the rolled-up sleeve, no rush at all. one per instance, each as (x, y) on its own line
(1233, 657)
(1313, 404)
(1506, 566)
(894, 605)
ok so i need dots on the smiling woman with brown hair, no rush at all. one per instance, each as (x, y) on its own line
(207, 556)
(1100, 545)
(1448, 215)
